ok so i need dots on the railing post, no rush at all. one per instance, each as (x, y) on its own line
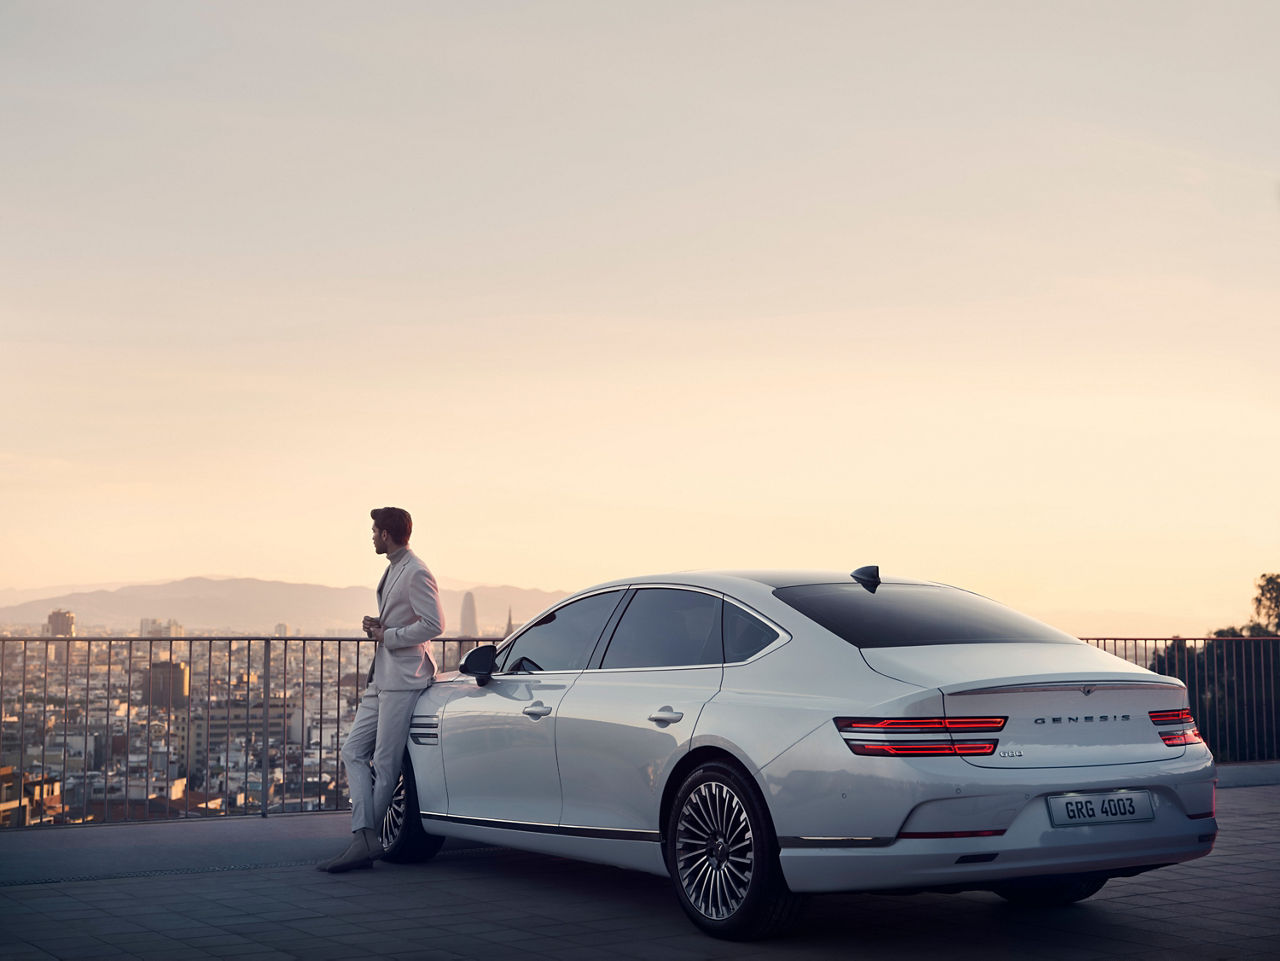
(266, 720)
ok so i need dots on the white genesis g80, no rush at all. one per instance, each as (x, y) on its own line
(761, 736)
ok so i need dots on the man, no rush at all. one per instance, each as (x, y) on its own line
(408, 618)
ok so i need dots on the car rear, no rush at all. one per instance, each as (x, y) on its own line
(1040, 755)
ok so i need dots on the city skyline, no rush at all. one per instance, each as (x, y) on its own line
(982, 295)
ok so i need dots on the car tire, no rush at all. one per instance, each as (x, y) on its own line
(404, 839)
(723, 857)
(1053, 892)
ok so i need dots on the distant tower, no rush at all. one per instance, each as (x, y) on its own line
(507, 632)
(62, 623)
(469, 628)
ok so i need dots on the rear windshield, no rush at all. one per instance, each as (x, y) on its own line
(911, 615)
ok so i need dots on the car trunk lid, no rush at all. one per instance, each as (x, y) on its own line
(1067, 705)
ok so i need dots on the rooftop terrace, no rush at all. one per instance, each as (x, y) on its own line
(246, 888)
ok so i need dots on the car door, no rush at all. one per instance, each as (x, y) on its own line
(630, 716)
(498, 741)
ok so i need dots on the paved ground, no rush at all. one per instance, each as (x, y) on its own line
(246, 889)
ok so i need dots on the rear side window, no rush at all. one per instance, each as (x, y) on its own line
(563, 639)
(912, 615)
(665, 627)
(744, 636)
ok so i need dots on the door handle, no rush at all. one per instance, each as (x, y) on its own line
(664, 715)
(537, 709)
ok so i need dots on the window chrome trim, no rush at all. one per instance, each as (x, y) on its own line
(564, 602)
(784, 636)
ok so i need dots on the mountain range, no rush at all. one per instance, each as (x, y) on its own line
(247, 605)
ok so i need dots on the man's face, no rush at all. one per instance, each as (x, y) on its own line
(380, 540)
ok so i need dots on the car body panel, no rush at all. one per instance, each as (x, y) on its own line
(953, 667)
(614, 759)
(1067, 705)
(1028, 845)
(500, 762)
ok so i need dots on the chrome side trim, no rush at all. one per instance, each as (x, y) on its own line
(607, 834)
(424, 730)
(806, 842)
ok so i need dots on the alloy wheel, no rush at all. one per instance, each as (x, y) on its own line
(393, 821)
(713, 850)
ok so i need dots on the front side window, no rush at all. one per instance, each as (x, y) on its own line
(563, 639)
(666, 627)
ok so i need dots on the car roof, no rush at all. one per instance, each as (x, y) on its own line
(730, 580)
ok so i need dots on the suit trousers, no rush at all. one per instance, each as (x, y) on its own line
(378, 735)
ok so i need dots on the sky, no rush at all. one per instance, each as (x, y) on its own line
(985, 293)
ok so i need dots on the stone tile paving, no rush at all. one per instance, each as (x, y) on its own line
(493, 904)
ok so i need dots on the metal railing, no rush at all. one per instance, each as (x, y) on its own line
(99, 729)
(1232, 687)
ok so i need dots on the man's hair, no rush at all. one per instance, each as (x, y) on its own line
(395, 521)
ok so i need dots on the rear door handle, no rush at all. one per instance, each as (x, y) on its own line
(537, 709)
(664, 715)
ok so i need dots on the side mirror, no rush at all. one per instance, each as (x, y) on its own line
(479, 663)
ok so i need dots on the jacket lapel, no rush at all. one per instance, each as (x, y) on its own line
(388, 583)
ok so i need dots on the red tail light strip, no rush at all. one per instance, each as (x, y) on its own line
(1181, 738)
(918, 725)
(1181, 716)
(922, 748)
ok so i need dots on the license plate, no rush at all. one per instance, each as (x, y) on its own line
(1068, 810)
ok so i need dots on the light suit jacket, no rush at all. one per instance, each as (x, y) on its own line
(409, 609)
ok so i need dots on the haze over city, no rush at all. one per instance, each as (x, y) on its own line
(983, 293)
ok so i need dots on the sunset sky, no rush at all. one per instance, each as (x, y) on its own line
(983, 292)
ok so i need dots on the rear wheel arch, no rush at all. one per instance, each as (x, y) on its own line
(696, 757)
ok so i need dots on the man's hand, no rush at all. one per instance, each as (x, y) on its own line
(369, 624)
(377, 632)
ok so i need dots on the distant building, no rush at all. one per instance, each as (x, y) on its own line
(61, 623)
(13, 806)
(153, 627)
(282, 630)
(195, 738)
(469, 627)
(27, 799)
(167, 684)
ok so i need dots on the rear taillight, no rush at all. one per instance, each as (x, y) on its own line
(943, 745)
(1179, 738)
(1181, 716)
(922, 748)
(917, 725)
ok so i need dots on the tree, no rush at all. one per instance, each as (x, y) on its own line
(1266, 603)
(1233, 680)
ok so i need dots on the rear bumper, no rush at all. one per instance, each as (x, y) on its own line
(1029, 847)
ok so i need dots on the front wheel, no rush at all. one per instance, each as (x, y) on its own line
(1054, 892)
(404, 839)
(723, 857)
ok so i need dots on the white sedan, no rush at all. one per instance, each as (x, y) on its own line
(760, 736)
